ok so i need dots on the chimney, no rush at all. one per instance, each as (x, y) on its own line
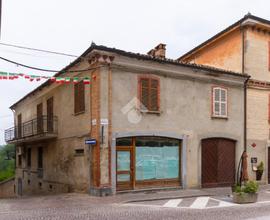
(159, 51)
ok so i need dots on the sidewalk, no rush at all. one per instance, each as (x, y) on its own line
(175, 193)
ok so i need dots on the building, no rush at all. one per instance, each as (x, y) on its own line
(245, 47)
(157, 123)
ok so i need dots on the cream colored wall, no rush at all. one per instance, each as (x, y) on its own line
(257, 55)
(185, 109)
(63, 170)
(257, 127)
(224, 53)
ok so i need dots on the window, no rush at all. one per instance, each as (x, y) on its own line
(149, 93)
(19, 160)
(219, 102)
(29, 157)
(40, 157)
(269, 55)
(79, 100)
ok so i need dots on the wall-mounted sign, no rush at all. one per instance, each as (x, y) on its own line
(91, 141)
(94, 121)
(104, 121)
(253, 159)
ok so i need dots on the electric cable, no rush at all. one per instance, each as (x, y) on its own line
(47, 70)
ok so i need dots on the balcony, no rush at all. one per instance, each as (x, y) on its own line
(40, 128)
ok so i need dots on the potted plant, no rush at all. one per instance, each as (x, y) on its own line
(259, 171)
(248, 193)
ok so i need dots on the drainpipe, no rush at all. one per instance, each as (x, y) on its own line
(245, 87)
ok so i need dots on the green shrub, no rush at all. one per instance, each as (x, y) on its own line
(260, 167)
(248, 187)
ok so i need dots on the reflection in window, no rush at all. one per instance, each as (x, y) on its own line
(157, 158)
(123, 160)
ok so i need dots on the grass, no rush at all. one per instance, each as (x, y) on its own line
(7, 162)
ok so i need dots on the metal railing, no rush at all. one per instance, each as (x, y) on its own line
(37, 126)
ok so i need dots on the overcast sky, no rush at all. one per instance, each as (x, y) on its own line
(70, 26)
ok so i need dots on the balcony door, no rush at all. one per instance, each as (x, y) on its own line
(50, 115)
(40, 118)
(19, 124)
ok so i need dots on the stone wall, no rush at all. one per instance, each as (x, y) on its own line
(7, 188)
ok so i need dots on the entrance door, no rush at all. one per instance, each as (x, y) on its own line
(39, 118)
(218, 162)
(124, 168)
(50, 115)
(19, 187)
(268, 165)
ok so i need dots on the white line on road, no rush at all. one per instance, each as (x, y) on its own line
(200, 203)
(172, 203)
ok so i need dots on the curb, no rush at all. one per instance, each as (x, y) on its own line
(164, 198)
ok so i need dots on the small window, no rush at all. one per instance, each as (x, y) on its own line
(79, 98)
(79, 152)
(29, 157)
(149, 93)
(219, 102)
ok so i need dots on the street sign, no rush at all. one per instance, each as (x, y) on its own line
(91, 141)
(253, 159)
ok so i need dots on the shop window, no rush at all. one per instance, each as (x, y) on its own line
(124, 141)
(157, 158)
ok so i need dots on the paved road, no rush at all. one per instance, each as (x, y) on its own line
(81, 206)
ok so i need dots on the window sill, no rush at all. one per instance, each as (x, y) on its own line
(150, 112)
(220, 117)
(79, 113)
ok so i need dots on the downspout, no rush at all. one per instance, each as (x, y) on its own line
(245, 88)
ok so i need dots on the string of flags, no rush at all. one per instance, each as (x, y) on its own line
(31, 78)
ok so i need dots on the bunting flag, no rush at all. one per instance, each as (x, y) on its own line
(59, 80)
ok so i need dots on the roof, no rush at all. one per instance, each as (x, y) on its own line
(236, 24)
(132, 55)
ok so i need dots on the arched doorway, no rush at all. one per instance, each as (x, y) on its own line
(218, 162)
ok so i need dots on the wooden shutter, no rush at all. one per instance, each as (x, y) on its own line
(154, 95)
(149, 93)
(269, 108)
(145, 92)
(79, 97)
(269, 55)
(219, 102)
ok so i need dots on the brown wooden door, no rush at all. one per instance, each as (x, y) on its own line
(39, 118)
(218, 162)
(268, 164)
(124, 168)
(19, 124)
(50, 115)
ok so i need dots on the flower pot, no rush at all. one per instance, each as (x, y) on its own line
(242, 198)
(259, 175)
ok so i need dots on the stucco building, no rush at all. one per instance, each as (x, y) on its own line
(245, 47)
(157, 123)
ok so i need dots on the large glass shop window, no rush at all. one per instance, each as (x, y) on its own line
(157, 158)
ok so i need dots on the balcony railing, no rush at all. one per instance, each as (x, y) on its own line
(40, 126)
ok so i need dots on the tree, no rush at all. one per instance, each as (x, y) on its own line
(7, 161)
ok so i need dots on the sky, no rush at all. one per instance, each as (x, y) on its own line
(70, 26)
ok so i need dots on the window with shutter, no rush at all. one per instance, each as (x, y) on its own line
(79, 98)
(149, 93)
(269, 108)
(219, 102)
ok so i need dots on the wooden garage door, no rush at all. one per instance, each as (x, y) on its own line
(218, 162)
